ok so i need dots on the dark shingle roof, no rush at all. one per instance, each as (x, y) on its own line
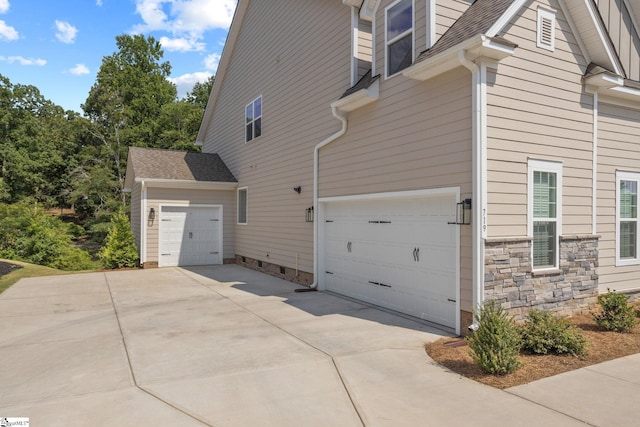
(477, 19)
(364, 83)
(153, 163)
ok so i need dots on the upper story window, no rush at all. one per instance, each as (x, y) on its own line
(627, 218)
(399, 36)
(545, 212)
(253, 119)
(546, 29)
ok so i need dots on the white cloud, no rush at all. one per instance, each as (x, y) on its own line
(79, 70)
(184, 16)
(182, 44)
(98, 2)
(4, 6)
(185, 82)
(23, 61)
(211, 61)
(7, 32)
(66, 32)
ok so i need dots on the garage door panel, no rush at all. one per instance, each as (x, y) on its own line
(397, 253)
(190, 235)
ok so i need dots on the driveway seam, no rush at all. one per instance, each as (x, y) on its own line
(333, 361)
(550, 408)
(131, 370)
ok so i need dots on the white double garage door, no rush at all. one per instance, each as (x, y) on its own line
(398, 252)
(190, 235)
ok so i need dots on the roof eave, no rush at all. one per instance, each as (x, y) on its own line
(187, 184)
(474, 48)
(613, 86)
(358, 99)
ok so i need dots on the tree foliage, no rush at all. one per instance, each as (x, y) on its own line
(120, 248)
(53, 158)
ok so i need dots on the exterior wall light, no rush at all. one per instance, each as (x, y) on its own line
(309, 214)
(152, 214)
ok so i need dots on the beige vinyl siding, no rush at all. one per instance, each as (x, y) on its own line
(172, 196)
(618, 150)
(537, 109)
(297, 88)
(619, 22)
(416, 136)
(136, 208)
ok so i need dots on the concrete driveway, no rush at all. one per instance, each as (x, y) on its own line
(227, 346)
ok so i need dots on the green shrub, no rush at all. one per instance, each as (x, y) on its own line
(617, 314)
(495, 345)
(74, 259)
(544, 333)
(120, 249)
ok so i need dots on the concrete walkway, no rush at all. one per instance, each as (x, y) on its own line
(226, 346)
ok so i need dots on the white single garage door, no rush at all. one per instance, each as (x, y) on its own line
(190, 235)
(396, 253)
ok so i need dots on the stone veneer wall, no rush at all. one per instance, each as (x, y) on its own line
(286, 273)
(571, 289)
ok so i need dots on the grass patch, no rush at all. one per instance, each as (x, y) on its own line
(27, 270)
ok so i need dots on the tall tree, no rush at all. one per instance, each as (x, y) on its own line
(199, 95)
(129, 94)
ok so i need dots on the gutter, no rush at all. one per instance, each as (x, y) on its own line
(342, 116)
(479, 176)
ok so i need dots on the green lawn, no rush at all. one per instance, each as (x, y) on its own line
(27, 270)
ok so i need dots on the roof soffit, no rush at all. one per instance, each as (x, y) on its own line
(368, 9)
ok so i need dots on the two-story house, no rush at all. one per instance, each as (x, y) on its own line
(421, 155)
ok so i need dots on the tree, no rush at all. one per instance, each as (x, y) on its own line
(130, 92)
(120, 249)
(199, 95)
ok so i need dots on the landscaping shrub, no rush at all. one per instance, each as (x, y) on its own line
(120, 249)
(495, 345)
(544, 333)
(616, 314)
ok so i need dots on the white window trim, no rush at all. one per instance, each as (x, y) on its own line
(431, 23)
(398, 37)
(553, 167)
(626, 176)
(549, 14)
(246, 207)
(254, 119)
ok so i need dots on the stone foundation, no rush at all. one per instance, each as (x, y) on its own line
(571, 289)
(286, 273)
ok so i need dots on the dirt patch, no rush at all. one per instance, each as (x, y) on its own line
(6, 268)
(603, 345)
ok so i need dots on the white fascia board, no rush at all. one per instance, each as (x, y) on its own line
(604, 80)
(506, 17)
(358, 99)
(476, 47)
(190, 185)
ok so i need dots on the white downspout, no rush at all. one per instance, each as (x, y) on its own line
(594, 182)
(479, 176)
(316, 157)
(143, 223)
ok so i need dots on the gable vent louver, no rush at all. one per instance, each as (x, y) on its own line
(546, 29)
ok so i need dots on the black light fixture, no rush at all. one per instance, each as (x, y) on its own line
(152, 214)
(463, 213)
(309, 214)
(297, 189)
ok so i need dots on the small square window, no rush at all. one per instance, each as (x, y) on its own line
(253, 119)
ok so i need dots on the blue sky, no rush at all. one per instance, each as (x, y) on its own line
(58, 46)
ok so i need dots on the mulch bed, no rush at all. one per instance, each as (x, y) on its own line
(603, 345)
(6, 268)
